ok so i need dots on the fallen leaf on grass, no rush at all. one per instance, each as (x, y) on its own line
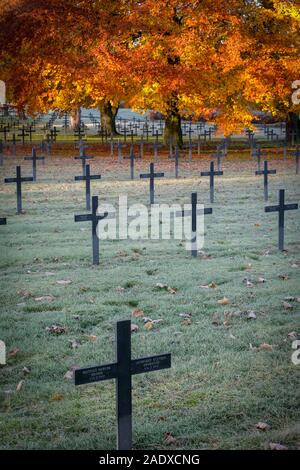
(70, 373)
(169, 289)
(287, 306)
(14, 352)
(56, 329)
(261, 280)
(137, 312)
(230, 314)
(64, 282)
(169, 439)
(251, 314)
(187, 322)
(224, 301)
(248, 283)
(57, 397)
(265, 347)
(276, 446)
(134, 328)
(283, 277)
(293, 335)
(26, 370)
(262, 426)
(211, 285)
(74, 343)
(25, 293)
(20, 385)
(91, 337)
(148, 326)
(44, 298)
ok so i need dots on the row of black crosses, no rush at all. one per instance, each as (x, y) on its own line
(94, 218)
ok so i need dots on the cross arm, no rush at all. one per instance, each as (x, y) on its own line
(290, 207)
(10, 180)
(95, 374)
(159, 175)
(150, 364)
(82, 217)
(272, 209)
(27, 178)
(145, 175)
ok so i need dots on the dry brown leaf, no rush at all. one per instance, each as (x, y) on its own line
(230, 314)
(283, 277)
(187, 322)
(261, 280)
(224, 301)
(211, 285)
(14, 352)
(276, 446)
(293, 335)
(74, 343)
(265, 347)
(137, 312)
(57, 397)
(287, 306)
(92, 338)
(56, 329)
(149, 325)
(262, 426)
(26, 370)
(169, 439)
(64, 282)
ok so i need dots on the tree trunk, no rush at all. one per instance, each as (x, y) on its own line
(293, 128)
(108, 117)
(173, 132)
(75, 118)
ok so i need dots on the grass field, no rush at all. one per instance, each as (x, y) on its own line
(228, 373)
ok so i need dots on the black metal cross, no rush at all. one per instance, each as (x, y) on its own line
(131, 157)
(281, 208)
(2, 220)
(176, 158)
(212, 173)
(23, 134)
(14, 141)
(94, 218)
(34, 159)
(193, 213)
(30, 129)
(265, 172)
(122, 370)
(4, 130)
(83, 157)
(152, 176)
(296, 154)
(218, 155)
(1, 152)
(87, 178)
(18, 180)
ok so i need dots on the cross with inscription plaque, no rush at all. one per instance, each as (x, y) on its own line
(122, 370)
